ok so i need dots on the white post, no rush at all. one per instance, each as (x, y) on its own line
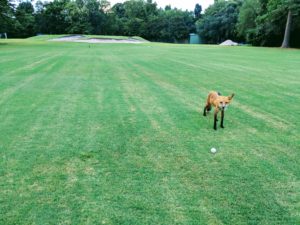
(5, 35)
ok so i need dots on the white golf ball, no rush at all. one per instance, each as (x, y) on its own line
(213, 150)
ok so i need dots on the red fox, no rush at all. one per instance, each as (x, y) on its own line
(220, 103)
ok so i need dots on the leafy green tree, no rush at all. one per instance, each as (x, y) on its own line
(40, 20)
(77, 17)
(266, 22)
(25, 19)
(175, 25)
(134, 18)
(151, 8)
(5, 7)
(246, 26)
(6, 16)
(96, 15)
(153, 27)
(181, 24)
(272, 23)
(293, 8)
(219, 22)
(168, 7)
(197, 11)
(119, 10)
(56, 17)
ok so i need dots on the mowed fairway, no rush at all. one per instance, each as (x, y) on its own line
(114, 134)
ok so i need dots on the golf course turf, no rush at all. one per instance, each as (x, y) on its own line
(114, 134)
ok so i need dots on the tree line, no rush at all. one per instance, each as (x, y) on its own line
(257, 22)
(131, 18)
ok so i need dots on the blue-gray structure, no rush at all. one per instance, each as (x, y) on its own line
(195, 39)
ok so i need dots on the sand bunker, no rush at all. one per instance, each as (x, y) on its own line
(80, 38)
(68, 38)
(99, 40)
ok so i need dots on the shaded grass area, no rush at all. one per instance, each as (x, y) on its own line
(113, 134)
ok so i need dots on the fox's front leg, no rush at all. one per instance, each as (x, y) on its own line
(216, 118)
(222, 118)
(207, 108)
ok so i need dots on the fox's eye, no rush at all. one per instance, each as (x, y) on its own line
(221, 102)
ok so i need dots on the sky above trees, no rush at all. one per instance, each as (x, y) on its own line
(186, 4)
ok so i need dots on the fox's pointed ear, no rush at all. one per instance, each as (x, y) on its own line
(231, 96)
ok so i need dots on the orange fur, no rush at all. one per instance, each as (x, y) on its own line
(219, 103)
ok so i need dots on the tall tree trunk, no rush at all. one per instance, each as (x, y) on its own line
(287, 33)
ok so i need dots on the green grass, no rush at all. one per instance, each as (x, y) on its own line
(114, 134)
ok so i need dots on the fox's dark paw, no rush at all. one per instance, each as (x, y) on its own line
(215, 128)
(222, 127)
